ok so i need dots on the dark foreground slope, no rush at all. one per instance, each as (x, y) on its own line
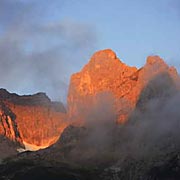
(7, 148)
(30, 170)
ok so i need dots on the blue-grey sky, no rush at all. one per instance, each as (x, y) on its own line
(42, 42)
(133, 28)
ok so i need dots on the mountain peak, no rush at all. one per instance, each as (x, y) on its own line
(104, 54)
(103, 60)
(155, 60)
(106, 73)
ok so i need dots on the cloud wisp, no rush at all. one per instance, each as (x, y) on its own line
(38, 53)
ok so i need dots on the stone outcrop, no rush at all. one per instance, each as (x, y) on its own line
(106, 73)
(7, 148)
(34, 120)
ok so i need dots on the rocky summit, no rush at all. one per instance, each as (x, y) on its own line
(105, 73)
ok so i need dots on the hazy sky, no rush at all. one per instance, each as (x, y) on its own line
(42, 42)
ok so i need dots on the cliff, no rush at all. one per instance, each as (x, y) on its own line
(106, 73)
(33, 121)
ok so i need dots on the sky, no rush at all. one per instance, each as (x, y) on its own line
(42, 42)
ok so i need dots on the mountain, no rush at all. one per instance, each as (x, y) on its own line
(123, 123)
(31, 120)
(105, 73)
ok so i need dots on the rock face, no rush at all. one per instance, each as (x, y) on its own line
(106, 73)
(34, 120)
(7, 148)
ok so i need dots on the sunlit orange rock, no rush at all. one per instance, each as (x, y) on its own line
(31, 120)
(106, 73)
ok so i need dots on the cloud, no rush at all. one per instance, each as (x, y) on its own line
(37, 53)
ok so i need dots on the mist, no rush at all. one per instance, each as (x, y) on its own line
(39, 52)
(153, 128)
(151, 131)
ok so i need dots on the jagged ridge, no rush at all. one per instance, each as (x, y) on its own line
(31, 119)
